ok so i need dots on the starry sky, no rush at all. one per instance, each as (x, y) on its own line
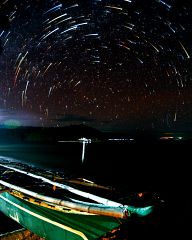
(110, 64)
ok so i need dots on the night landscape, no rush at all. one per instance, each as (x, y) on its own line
(100, 90)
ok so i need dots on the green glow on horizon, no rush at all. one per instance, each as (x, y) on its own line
(12, 123)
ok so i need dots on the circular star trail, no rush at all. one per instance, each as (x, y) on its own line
(110, 64)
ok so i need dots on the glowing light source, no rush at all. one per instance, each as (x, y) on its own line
(12, 123)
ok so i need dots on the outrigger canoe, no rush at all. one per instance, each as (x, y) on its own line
(56, 208)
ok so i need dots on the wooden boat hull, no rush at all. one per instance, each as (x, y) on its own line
(55, 225)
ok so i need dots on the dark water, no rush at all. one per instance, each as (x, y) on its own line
(162, 167)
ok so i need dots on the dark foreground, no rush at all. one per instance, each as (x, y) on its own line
(162, 167)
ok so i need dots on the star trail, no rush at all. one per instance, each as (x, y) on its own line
(110, 64)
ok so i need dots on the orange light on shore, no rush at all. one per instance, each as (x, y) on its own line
(140, 194)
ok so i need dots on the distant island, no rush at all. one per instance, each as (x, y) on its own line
(75, 132)
(48, 134)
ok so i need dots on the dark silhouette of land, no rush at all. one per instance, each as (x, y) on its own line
(75, 132)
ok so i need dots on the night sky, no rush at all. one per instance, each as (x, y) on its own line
(110, 64)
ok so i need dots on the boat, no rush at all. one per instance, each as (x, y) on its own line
(57, 207)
